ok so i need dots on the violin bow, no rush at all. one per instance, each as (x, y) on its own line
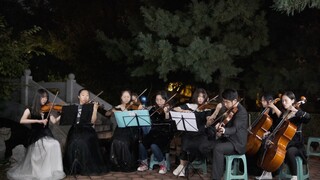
(212, 99)
(138, 97)
(95, 97)
(165, 103)
(54, 99)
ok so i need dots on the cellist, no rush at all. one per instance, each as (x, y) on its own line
(297, 117)
(274, 113)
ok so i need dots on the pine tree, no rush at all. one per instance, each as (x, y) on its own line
(292, 6)
(202, 39)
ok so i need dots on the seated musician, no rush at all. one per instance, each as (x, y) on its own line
(297, 117)
(160, 135)
(190, 140)
(268, 104)
(231, 135)
(124, 142)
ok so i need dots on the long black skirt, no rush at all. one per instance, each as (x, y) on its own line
(83, 154)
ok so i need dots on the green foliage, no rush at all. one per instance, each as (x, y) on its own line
(15, 51)
(292, 6)
(203, 39)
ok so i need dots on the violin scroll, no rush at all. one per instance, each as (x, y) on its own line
(303, 100)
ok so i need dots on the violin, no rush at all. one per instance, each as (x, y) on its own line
(46, 108)
(228, 116)
(207, 106)
(133, 106)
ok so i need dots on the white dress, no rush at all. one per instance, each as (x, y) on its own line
(43, 159)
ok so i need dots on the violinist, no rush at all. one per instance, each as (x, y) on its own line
(231, 132)
(159, 137)
(190, 140)
(43, 159)
(124, 142)
(82, 153)
(297, 117)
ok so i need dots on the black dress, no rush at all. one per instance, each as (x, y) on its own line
(124, 149)
(190, 140)
(82, 154)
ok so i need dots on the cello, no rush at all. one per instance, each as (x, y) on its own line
(258, 128)
(277, 142)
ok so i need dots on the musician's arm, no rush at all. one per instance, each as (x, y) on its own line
(240, 123)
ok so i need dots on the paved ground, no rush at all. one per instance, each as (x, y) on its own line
(314, 170)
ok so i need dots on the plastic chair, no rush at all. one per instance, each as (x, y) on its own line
(154, 161)
(302, 171)
(200, 164)
(310, 140)
(232, 167)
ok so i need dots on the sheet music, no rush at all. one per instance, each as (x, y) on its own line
(185, 121)
(132, 118)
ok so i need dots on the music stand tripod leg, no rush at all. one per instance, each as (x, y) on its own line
(189, 164)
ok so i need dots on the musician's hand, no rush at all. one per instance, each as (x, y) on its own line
(208, 123)
(43, 121)
(166, 109)
(220, 131)
(265, 135)
(217, 126)
(268, 142)
(95, 105)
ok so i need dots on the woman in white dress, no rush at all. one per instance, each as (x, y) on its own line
(43, 159)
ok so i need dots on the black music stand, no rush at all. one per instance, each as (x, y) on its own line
(186, 122)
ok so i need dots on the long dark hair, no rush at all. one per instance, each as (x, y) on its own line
(196, 95)
(36, 105)
(163, 95)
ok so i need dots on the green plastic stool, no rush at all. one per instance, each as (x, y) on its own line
(200, 164)
(310, 140)
(232, 167)
(154, 161)
(302, 171)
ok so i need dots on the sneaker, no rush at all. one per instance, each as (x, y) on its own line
(182, 173)
(294, 178)
(142, 167)
(264, 175)
(163, 169)
(178, 170)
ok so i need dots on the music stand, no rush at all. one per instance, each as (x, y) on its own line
(132, 118)
(69, 114)
(186, 121)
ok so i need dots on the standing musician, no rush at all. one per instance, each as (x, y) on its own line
(124, 143)
(231, 133)
(273, 113)
(190, 140)
(82, 153)
(159, 137)
(43, 159)
(295, 118)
